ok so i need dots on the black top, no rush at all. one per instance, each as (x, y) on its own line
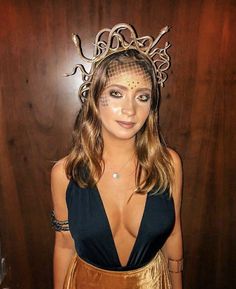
(92, 234)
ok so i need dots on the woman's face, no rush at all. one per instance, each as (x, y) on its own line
(126, 97)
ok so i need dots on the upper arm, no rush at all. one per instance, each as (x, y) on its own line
(59, 183)
(177, 186)
(173, 245)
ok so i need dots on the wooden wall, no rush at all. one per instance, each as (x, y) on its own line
(38, 106)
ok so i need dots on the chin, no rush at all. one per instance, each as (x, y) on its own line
(120, 133)
(123, 135)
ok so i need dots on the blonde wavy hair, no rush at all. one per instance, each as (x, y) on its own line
(87, 144)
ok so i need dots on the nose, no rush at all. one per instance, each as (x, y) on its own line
(128, 107)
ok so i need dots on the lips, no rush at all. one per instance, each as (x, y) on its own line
(126, 124)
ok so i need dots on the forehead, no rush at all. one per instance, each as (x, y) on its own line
(130, 73)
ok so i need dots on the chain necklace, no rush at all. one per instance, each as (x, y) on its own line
(116, 174)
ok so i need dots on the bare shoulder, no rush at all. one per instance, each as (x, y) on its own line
(175, 157)
(59, 183)
(178, 169)
(59, 167)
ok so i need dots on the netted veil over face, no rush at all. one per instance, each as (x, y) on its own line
(120, 38)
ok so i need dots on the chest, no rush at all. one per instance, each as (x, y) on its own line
(89, 219)
(123, 208)
(117, 229)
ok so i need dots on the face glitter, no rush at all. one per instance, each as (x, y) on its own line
(134, 84)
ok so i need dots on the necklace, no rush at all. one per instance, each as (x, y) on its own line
(116, 174)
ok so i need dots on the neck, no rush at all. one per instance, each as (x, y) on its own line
(118, 150)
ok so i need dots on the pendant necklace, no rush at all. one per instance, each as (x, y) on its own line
(116, 174)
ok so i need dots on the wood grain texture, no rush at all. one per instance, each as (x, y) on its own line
(197, 115)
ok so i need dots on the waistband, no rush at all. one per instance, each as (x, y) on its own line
(83, 275)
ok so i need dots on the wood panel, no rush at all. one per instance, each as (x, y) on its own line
(38, 106)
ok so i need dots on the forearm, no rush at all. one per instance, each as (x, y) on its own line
(61, 260)
(174, 251)
(176, 280)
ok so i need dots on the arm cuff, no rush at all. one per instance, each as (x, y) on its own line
(175, 266)
(59, 225)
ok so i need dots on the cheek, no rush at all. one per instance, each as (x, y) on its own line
(144, 111)
(103, 100)
(106, 105)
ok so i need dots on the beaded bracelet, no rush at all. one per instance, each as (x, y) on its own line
(175, 266)
(59, 225)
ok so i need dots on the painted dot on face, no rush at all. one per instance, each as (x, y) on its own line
(133, 84)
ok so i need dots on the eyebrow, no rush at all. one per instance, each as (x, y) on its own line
(126, 88)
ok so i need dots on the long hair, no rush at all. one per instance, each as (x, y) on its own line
(87, 143)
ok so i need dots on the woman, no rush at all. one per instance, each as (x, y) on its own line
(117, 194)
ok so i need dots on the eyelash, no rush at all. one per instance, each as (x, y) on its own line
(112, 92)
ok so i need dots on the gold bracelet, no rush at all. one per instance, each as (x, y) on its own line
(175, 266)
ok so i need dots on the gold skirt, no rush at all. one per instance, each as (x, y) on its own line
(153, 275)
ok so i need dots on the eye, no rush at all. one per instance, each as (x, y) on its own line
(115, 93)
(144, 97)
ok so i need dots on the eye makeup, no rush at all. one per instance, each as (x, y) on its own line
(147, 97)
(116, 94)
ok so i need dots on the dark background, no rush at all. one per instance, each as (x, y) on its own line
(38, 107)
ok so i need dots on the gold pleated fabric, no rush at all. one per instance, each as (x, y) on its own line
(154, 275)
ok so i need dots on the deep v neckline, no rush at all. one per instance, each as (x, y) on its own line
(110, 231)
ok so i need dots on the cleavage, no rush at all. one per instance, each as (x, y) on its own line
(124, 219)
